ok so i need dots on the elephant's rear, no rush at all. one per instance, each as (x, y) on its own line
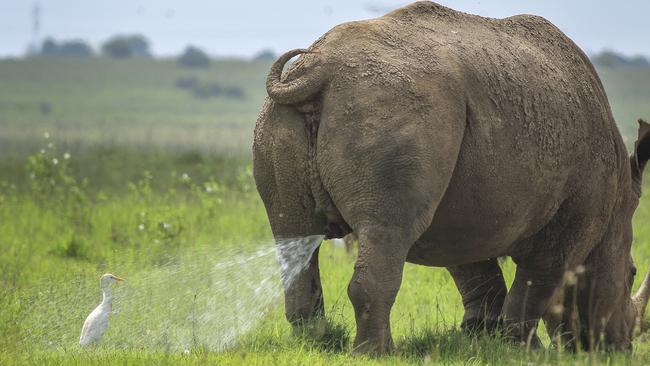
(440, 138)
(526, 84)
(538, 129)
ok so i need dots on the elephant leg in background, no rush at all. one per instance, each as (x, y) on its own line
(561, 317)
(483, 290)
(526, 302)
(374, 286)
(303, 297)
(603, 269)
(563, 244)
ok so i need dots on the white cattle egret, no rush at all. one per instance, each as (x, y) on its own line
(97, 322)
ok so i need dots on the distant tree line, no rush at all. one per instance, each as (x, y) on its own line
(71, 48)
(194, 57)
(120, 46)
(609, 58)
(126, 47)
(265, 55)
(129, 46)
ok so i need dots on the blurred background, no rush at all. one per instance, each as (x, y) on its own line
(189, 75)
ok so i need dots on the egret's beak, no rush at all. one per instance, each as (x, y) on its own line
(119, 279)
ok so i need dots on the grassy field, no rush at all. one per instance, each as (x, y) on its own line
(144, 180)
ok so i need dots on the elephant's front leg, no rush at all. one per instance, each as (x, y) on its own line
(374, 286)
(483, 290)
(303, 294)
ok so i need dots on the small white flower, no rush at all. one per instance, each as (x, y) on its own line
(66, 156)
(185, 177)
(186, 351)
(571, 278)
(55, 161)
(529, 283)
(42, 151)
(166, 226)
(50, 145)
(208, 189)
(141, 227)
(46, 135)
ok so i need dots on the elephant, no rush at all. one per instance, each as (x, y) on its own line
(447, 139)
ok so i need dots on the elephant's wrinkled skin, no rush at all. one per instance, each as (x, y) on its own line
(447, 139)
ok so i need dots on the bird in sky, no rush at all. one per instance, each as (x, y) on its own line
(97, 322)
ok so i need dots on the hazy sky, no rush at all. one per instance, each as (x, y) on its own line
(244, 27)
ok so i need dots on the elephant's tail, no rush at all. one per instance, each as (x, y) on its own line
(298, 90)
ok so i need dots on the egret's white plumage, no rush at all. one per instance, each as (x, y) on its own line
(97, 322)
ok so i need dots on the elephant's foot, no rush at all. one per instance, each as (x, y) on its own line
(373, 322)
(483, 291)
(378, 345)
(314, 328)
(526, 302)
(523, 335)
(478, 325)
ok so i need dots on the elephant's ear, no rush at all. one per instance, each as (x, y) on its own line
(641, 152)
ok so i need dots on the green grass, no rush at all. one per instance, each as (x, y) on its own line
(57, 236)
(158, 189)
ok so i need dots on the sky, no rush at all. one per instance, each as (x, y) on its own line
(243, 28)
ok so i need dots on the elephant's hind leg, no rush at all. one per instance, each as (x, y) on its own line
(374, 286)
(303, 296)
(562, 245)
(387, 183)
(483, 290)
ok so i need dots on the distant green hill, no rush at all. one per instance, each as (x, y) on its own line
(147, 102)
(628, 90)
(133, 102)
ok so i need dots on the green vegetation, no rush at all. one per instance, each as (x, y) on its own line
(151, 183)
(628, 90)
(194, 57)
(609, 58)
